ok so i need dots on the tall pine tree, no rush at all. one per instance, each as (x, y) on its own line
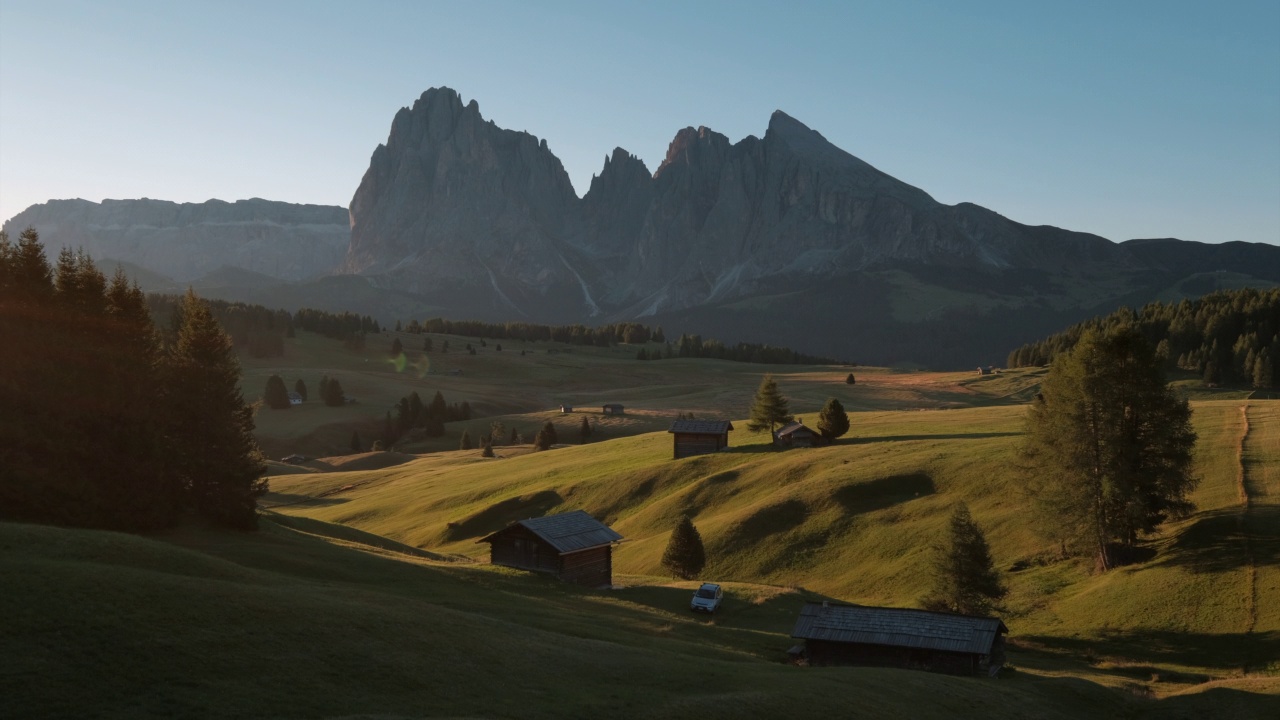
(964, 575)
(769, 409)
(685, 556)
(215, 456)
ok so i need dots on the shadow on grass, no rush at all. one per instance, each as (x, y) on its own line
(944, 436)
(499, 515)
(739, 610)
(884, 492)
(343, 532)
(275, 500)
(1216, 542)
(1144, 650)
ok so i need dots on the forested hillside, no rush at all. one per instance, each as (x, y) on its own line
(1228, 338)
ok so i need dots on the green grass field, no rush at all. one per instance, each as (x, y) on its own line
(366, 594)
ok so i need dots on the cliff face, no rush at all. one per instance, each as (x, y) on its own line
(452, 202)
(187, 240)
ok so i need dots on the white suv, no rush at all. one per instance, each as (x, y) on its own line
(706, 598)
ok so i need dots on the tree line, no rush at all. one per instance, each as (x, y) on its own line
(107, 422)
(258, 330)
(1230, 337)
(601, 336)
(693, 346)
(346, 327)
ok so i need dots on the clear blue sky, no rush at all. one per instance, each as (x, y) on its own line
(1125, 119)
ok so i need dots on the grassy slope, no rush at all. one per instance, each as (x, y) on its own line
(283, 623)
(854, 521)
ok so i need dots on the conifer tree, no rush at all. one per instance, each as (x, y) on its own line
(584, 431)
(300, 388)
(1107, 454)
(964, 575)
(332, 393)
(466, 440)
(276, 396)
(486, 450)
(215, 456)
(769, 408)
(833, 422)
(850, 379)
(685, 556)
(397, 347)
(545, 438)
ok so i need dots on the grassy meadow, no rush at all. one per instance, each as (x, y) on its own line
(366, 593)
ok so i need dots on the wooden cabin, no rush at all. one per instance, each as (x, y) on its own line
(573, 546)
(836, 634)
(699, 437)
(612, 409)
(797, 435)
(565, 409)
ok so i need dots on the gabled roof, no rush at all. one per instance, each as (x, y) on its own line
(566, 532)
(786, 430)
(701, 427)
(901, 627)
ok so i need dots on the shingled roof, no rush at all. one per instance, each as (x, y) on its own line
(901, 627)
(567, 532)
(794, 427)
(701, 427)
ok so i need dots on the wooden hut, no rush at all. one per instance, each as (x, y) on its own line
(573, 546)
(836, 634)
(797, 435)
(699, 437)
(612, 409)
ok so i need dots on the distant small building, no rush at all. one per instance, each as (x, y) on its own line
(836, 634)
(294, 459)
(613, 409)
(699, 437)
(566, 408)
(984, 370)
(295, 398)
(573, 546)
(797, 435)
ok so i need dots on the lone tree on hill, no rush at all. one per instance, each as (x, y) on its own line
(1108, 446)
(684, 557)
(331, 392)
(833, 422)
(276, 396)
(585, 429)
(965, 579)
(466, 441)
(546, 437)
(300, 388)
(769, 408)
(219, 465)
(487, 450)
(850, 380)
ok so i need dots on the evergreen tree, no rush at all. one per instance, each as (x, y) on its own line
(769, 409)
(1263, 371)
(300, 388)
(487, 450)
(684, 557)
(276, 396)
(466, 440)
(333, 395)
(397, 347)
(964, 575)
(545, 438)
(1108, 445)
(850, 379)
(584, 431)
(215, 456)
(355, 442)
(426, 345)
(833, 422)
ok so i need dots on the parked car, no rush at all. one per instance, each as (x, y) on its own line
(707, 598)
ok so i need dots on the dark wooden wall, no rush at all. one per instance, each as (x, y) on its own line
(592, 567)
(518, 548)
(688, 444)
(822, 652)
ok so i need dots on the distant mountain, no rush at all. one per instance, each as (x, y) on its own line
(184, 241)
(785, 239)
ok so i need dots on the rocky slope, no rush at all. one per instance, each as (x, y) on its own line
(187, 240)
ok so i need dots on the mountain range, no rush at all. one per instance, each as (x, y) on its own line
(784, 239)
